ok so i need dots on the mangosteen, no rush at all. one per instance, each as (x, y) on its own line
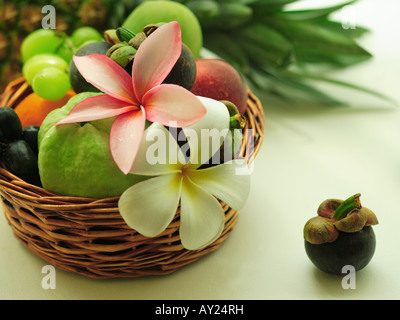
(184, 71)
(30, 135)
(341, 235)
(78, 82)
(21, 160)
(10, 125)
(182, 74)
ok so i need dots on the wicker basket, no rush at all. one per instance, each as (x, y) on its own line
(89, 237)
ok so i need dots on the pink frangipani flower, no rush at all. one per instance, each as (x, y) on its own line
(133, 100)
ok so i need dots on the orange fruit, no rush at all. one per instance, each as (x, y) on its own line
(33, 109)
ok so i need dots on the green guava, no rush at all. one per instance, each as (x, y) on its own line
(75, 159)
(163, 11)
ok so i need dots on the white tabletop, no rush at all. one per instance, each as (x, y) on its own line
(309, 154)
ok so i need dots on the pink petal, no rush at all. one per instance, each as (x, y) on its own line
(95, 108)
(168, 103)
(156, 57)
(125, 137)
(107, 76)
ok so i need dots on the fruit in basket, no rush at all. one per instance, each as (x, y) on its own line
(184, 71)
(340, 235)
(42, 61)
(218, 80)
(34, 109)
(84, 34)
(21, 160)
(30, 135)
(153, 12)
(51, 83)
(10, 125)
(75, 159)
(124, 48)
(78, 83)
(40, 41)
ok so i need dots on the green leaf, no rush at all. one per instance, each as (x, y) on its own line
(266, 45)
(312, 14)
(350, 86)
(207, 11)
(288, 88)
(225, 46)
(266, 7)
(335, 26)
(232, 15)
(316, 44)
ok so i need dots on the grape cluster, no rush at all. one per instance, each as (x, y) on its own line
(46, 56)
(18, 147)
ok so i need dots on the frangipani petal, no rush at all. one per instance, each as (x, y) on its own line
(172, 105)
(96, 108)
(106, 75)
(229, 182)
(206, 136)
(156, 57)
(149, 206)
(202, 217)
(126, 132)
(159, 153)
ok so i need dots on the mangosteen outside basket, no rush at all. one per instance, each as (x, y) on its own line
(89, 236)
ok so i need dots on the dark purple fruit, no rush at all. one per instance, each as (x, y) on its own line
(30, 135)
(78, 82)
(354, 249)
(10, 125)
(341, 235)
(182, 74)
(185, 70)
(20, 160)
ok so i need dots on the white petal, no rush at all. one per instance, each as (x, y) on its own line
(229, 182)
(202, 217)
(207, 135)
(158, 154)
(149, 206)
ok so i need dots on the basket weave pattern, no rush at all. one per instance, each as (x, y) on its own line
(89, 236)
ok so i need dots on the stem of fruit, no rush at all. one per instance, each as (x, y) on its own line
(124, 34)
(347, 206)
(237, 122)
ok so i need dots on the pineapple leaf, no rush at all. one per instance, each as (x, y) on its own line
(266, 45)
(350, 86)
(224, 45)
(312, 14)
(337, 27)
(315, 43)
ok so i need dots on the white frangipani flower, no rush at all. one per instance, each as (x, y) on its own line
(150, 206)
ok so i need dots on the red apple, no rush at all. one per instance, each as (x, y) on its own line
(219, 80)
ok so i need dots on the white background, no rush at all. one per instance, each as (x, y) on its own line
(309, 154)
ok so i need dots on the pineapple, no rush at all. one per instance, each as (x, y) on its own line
(275, 49)
(19, 18)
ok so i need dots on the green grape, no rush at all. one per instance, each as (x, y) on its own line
(83, 34)
(40, 41)
(51, 83)
(42, 61)
(66, 50)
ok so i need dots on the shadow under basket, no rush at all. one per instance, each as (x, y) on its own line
(89, 236)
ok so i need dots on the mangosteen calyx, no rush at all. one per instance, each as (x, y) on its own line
(336, 216)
